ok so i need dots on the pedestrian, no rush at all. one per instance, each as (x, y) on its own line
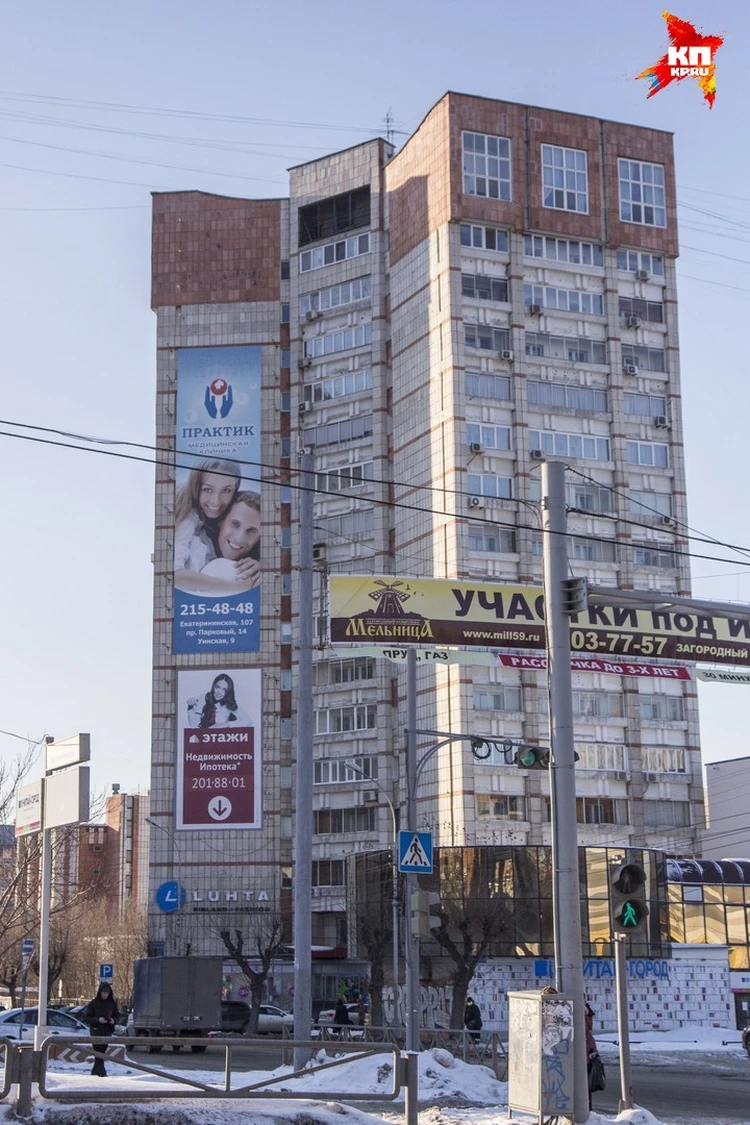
(472, 1019)
(594, 1062)
(340, 1016)
(101, 1015)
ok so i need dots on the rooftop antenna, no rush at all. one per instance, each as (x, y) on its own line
(388, 119)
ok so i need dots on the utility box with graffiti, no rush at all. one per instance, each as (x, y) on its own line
(540, 1054)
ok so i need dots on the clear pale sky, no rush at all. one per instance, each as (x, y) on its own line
(305, 79)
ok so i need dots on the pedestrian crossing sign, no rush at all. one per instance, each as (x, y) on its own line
(415, 853)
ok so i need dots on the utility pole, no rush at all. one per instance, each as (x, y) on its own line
(304, 772)
(623, 1029)
(411, 940)
(566, 890)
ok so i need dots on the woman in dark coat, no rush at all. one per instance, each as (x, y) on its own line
(340, 1016)
(101, 1015)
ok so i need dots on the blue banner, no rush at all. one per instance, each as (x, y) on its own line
(217, 501)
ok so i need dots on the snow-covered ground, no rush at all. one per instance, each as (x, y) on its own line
(468, 1094)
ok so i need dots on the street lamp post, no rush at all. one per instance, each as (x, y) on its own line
(179, 892)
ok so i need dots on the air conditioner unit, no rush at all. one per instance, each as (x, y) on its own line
(475, 447)
(304, 362)
(536, 454)
(633, 321)
(475, 502)
(661, 422)
(312, 314)
(630, 368)
(370, 796)
(318, 552)
(506, 354)
(651, 777)
(641, 275)
(621, 775)
(304, 407)
(534, 310)
(667, 521)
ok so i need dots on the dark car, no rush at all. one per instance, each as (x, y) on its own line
(746, 1039)
(235, 1016)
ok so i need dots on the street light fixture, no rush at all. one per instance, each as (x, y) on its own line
(179, 890)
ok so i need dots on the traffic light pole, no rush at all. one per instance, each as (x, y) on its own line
(566, 890)
(623, 1029)
(411, 940)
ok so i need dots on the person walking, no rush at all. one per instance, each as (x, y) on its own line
(595, 1067)
(340, 1017)
(472, 1019)
(101, 1015)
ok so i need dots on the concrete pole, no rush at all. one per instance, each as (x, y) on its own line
(568, 958)
(304, 772)
(411, 941)
(623, 1029)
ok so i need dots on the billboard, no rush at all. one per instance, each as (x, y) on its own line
(218, 748)
(439, 611)
(217, 501)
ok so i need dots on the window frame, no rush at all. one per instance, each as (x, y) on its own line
(551, 169)
(625, 176)
(471, 155)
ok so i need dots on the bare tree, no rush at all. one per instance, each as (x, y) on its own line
(253, 947)
(374, 923)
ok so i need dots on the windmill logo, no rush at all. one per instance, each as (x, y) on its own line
(389, 620)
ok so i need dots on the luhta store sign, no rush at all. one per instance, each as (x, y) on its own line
(225, 902)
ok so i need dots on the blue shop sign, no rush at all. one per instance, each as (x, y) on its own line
(603, 968)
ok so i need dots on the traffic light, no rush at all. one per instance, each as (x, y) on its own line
(421, 920)
(532, 757)
(627, 898)
(575, 595)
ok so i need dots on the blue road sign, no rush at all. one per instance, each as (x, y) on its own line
(27, 945)
(170, 896)
(106, 971)
(415, 853)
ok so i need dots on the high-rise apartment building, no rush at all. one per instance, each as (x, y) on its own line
(433, 323)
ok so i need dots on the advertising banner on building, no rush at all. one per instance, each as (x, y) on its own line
(219, 723)
(437, 611)
(217, 501)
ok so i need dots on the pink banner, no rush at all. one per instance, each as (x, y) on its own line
(610, 667)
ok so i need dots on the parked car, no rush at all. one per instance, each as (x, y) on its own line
(59, 1023)
(235, 1016)
(273, 1020)
(746, 1039)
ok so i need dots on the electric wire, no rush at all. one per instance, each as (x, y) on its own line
(161, 462)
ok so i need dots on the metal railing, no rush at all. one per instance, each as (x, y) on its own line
(486, 1047)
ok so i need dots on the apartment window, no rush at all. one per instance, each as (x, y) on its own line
(344, 671)
(346, 476)
(564, 300)
(593, 550)
(648, 406)
(335, 296)
(483, 288)
(601, 810)
(328, 873)
(663, 759)
(589, 497)
(489, 437)
(285, 274)
(342, 341)
(334, 252)
(486, 338)
(608, 757)
(285, 314)
(484, 238)
(496, 387)
(647, 554)
(642, 197)
(666, 814)
(354, 382)
(501, 697)
(578, 349)
(333, 433)
(285, 358)
(286, 537)
(649, 505)
(632, 260)
(562, 250)
(349, 525)
(332, 771)
(647, 359)
(505, 807)
(486, 162)
(597, 704)
(565, 183)
(339, 822)
(583, 446)
(335, 215)
(501, 541)
(485, 484)
(650, 311)
(343, 720)
(570, 395)
(661, 708)
(652, 453)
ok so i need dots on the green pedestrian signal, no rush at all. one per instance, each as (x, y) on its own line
(627, 895)
(532, 757)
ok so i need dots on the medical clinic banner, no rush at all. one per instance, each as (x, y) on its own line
(437, 611)
(218, 748)
(217, 501)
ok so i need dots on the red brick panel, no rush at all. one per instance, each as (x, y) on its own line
(656, 147)
(418, 183)
(567, 130)
(211, 249)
